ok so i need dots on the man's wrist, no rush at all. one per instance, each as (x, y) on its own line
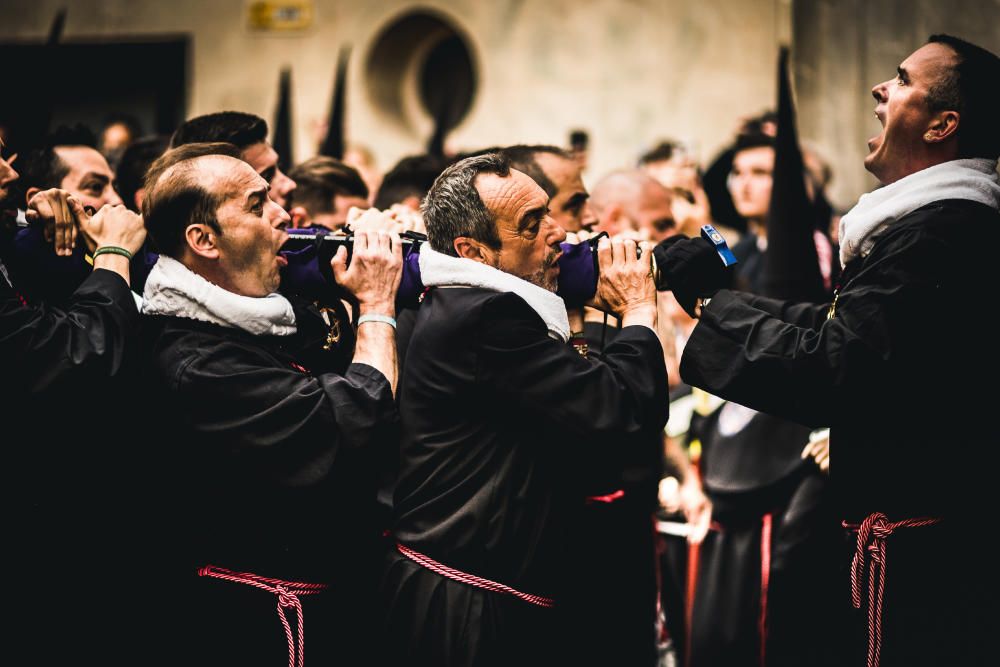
(111, 261)
(644, 314)
(378, 308)
(377, 318)
(639, 310)
(115, 263)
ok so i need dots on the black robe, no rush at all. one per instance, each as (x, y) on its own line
(504, 429)
(612, 619)
(265, 464)
(895, 373)
(760, 487)
(42, 276)
(68, 435)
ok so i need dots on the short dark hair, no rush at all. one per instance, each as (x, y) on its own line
(42, 167)
(132, 167)
(758, 124)
(412, 176)
(522, 158)
(75, 135)
(661, 152)
(749, 140)
(176, 200)
(233, 127)
(453, 207)
(970, 89)
(319, 179)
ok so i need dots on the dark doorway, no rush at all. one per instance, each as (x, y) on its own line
(88, 81)
(423, 55)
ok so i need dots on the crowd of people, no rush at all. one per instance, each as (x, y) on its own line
(245, 398)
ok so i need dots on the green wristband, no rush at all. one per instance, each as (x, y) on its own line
(112, 250)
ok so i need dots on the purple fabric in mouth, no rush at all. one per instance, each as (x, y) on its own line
(577, 274)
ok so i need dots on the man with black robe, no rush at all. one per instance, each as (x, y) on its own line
(890, 363)
(66, 442)
(267, 414)
(48, 267)
(505, 426)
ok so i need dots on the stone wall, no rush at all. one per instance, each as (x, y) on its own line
(628, 71)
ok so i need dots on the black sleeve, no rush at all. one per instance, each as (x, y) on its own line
(814, 375)
(41, 346)
(808, 315)
(546, 380)
(280, 422)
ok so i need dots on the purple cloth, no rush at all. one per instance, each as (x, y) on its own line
(577, 274)
(305, 276)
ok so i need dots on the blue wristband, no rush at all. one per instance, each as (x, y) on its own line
(709, 233)
(384, 319)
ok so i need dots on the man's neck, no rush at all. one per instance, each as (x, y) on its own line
(210, 271)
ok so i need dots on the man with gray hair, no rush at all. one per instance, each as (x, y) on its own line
(505, 426)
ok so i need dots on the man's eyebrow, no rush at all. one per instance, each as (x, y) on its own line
(269, 173)
(259, 194)
(578, 199)
(104, 178)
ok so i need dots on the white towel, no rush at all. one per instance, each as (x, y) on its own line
(440, 270)
(973, 179)
(173, 289)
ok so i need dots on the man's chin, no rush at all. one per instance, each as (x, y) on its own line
(547, 283)
(871, 163)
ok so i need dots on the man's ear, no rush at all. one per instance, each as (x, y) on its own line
(31, 192)
(469, 248)
(300, 216)
(202, 240)
(942, 127)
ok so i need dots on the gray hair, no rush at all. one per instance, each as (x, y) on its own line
(453, 207)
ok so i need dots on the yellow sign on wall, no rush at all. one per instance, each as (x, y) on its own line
(280, 14)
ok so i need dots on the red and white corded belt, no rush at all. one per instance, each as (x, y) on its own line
(471, 579)
(872, 534)
(288, 593)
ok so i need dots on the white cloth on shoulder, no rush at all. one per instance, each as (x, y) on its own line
(175, 290)
(440, 270)
(972, 179)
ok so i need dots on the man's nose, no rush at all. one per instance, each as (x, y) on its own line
(879, 91)
(558, 234)
(281, 218)
(282, 183)
(112, 197)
